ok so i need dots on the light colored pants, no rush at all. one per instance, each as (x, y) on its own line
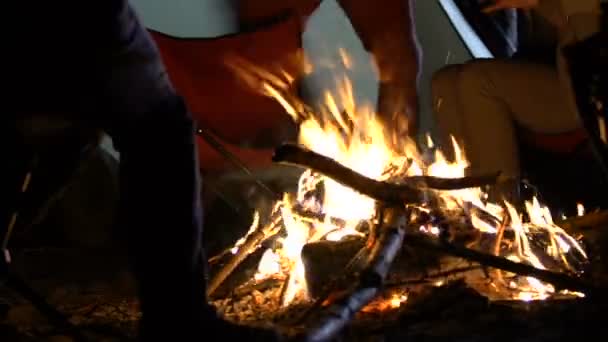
(483, 102)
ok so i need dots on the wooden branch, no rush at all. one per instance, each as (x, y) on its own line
(436, 183)
(427, 279)
(260, 285)
(408, 192)
(315, 217)
(330, 320)
(252, 242)
(560, 281)
(396, 194)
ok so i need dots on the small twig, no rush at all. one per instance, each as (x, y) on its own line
(261, 285)
(206, 134)
(499, 236)
(284, 287)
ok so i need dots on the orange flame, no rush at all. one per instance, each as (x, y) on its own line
(350, 133)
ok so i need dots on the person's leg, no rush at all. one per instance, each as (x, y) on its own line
(159, 188)
(447, 109)
(490, 99)
(159, 182)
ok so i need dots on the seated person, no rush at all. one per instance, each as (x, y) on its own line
(482, 103)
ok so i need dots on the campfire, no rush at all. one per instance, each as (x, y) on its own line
(373, 222)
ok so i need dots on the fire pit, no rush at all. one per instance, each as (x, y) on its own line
(375, 232)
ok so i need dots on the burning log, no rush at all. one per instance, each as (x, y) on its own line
(409, 192)
(322, 259)
(329, 320)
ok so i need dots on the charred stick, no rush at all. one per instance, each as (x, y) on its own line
(389, 193)
(378, 190)
(560, 281)
(315, 217)
(331, 319)
(252, 242)
(260, 285)
(428, 278)
(436, 183)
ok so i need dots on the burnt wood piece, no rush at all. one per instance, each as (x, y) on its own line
(322, 259)
(328, 321)
(438, 183)
(242, 274)
(251, 244)
(411, 191)
(561, 281)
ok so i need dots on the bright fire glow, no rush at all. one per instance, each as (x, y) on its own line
(351, 134)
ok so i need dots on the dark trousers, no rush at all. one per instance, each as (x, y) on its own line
(103, 70)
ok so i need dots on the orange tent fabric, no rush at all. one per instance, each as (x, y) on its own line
(215, 95)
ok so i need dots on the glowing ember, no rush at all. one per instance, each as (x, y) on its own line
(391, 302)
(350, 133)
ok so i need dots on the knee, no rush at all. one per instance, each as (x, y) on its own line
(444, 85)
(475, 76)
(445, 79)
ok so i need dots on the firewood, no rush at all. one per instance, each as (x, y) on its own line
(316, 217)
(322, 259)
(242, 274)
(251, 244)
(329, 321)
(437, 183)
(409, 192)
(256, 285)
(429, 279)
(561, 281)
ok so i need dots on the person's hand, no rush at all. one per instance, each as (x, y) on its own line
(499, 5)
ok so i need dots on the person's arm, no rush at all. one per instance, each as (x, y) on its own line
(387, 30)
